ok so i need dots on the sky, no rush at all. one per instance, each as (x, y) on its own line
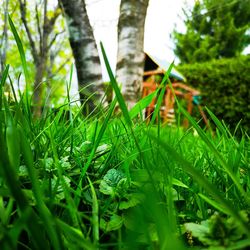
(162, 16)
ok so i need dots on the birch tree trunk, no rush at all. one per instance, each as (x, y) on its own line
(130, 57)
(85, 52)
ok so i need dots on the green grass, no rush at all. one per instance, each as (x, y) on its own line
(113, 182)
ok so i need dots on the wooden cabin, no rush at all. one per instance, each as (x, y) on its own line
(154, 71)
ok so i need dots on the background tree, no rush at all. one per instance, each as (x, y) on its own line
(56, 72)
(45, 22)
(85, 51)
(215, 29)
(130, 57)
(4, 37)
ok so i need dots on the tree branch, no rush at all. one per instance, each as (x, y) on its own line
(38, 27)
(54, 39)
(24, 20)
(45, 29)
(58, 48)
(57, 13)
(4, 40)
(62, 65)
(48, 27)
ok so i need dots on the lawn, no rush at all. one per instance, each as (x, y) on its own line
(111, 181)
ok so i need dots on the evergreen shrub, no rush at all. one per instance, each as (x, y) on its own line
(225, 87)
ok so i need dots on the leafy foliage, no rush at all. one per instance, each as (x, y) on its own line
(215, 29)
(224, 85)
(217, 231)
(59, 61)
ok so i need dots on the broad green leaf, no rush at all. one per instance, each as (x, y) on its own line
(113, 224)
(201, 231)
(132, 201)
(113, 182)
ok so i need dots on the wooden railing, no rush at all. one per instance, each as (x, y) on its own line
(167, 111)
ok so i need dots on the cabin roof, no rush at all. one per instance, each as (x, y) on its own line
(153, 62)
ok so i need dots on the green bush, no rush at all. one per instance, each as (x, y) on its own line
(225, 87)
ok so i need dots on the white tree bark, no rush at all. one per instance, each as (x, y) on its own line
(85, 51)
(130, 57)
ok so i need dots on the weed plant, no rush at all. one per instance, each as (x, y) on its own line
(111, 181)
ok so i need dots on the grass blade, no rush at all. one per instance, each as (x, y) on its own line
(95, 213)
(2, 83)
(20, 49)
(42, 208)
(214, 150)
(142, 104)
(162, 89)
(99, 137)
(217, 123)
(202, 181)
(76, 236)
(114, 84)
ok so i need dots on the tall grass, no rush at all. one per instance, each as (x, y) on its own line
(114, 182)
